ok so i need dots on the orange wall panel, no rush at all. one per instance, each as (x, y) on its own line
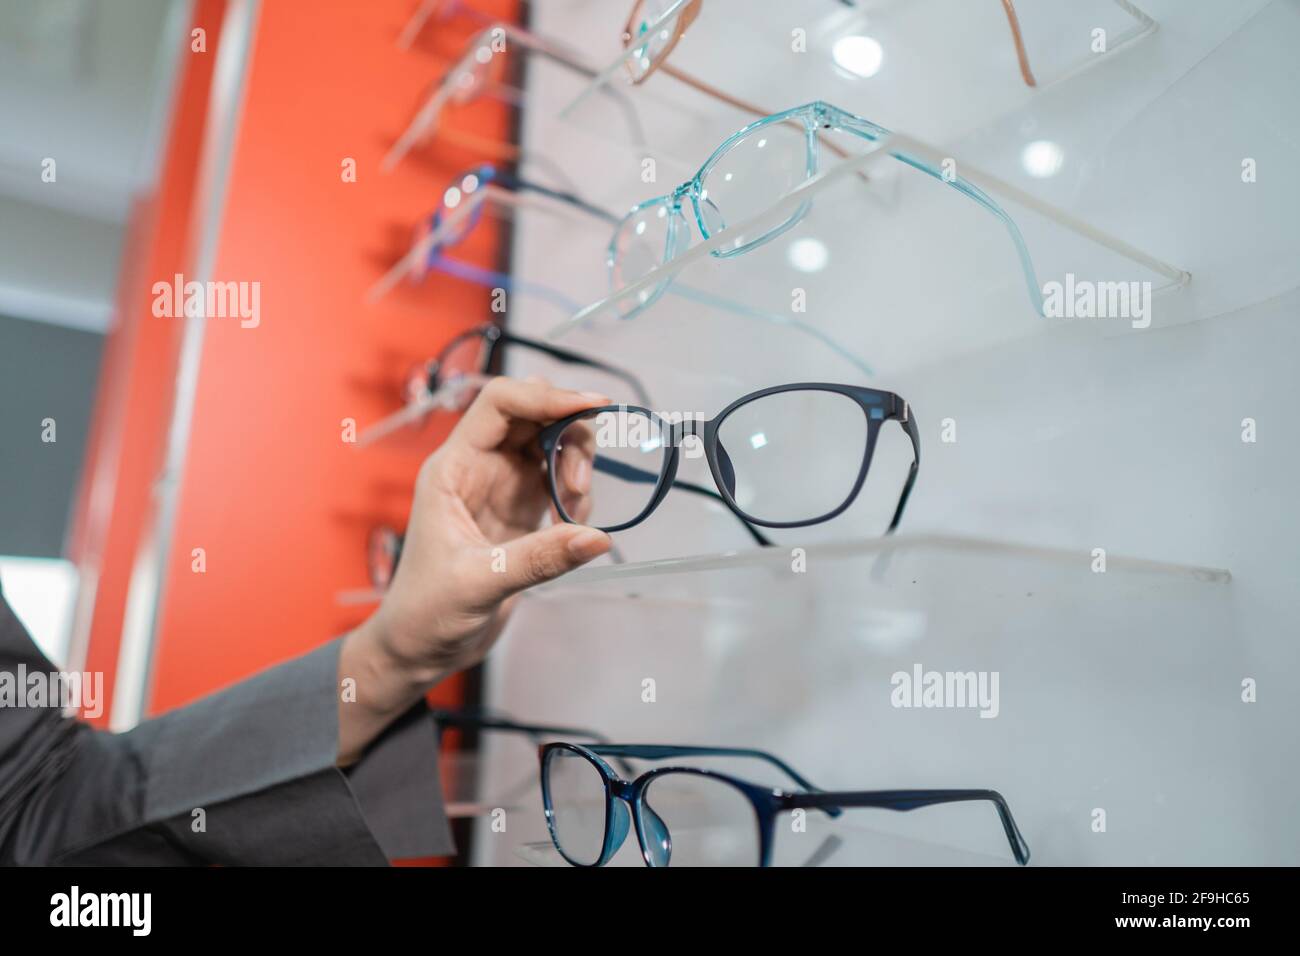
(137, 377)
(271, 492)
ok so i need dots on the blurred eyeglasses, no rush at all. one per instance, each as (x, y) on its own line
(652, 31)
(480, 70)
(383, 551)
(449, 381)
(461, 209)
(688, 816)
(469, 183)
(654, 28)
(439, 12)
(460, 784)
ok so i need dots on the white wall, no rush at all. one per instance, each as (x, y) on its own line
(1119, 691)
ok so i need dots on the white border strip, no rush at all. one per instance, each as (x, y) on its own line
(133, 684)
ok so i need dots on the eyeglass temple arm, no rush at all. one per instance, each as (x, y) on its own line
(1021, 55)
(424, 13)
(575, 358)
(618, 469)
(745, 107)
(908, 424)
(433, 104)
(904, 800)
(512, 181)
(558, 53)
(488, 720)
(666, 751)
(491, 279)
(873, 133)
(481, 144)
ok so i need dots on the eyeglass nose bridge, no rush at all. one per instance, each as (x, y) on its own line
(678, 194)
(623, 790)
(680, 430)
(658, 851)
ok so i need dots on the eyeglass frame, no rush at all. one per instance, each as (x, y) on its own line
(435, 258)
(685, 12)
(474, 719)
(768, 802)
(896, 409)
(815, 116)
(391, 540)
(491, 173)
(495, 338)
(890, 148)
(444, 92)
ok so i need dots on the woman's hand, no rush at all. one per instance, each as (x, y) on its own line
(471, 546)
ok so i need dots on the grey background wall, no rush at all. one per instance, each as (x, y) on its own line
(89, 88)
(46, 371)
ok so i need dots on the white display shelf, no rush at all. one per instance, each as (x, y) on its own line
(1124, 691)
(789, 55)
(916, 271)
(841, 572)
(500, 784)
(468, 792)
(913, 279)
(580, 238)
(825, 843)
(1119, 691)
(1142, 166)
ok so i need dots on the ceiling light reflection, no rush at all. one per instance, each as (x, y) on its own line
(859, 55)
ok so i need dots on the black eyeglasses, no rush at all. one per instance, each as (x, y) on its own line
(472, 721)
(783, 457)
(477, 353)
(383, 551)
(461, 787)
(689, 816)
(450, 381)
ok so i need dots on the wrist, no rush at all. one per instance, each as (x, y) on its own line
(383, 689)
(388, 680)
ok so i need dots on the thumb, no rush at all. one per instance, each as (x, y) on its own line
(543, 556)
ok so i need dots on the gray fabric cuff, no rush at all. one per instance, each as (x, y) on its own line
(397, 786)
(280, 728)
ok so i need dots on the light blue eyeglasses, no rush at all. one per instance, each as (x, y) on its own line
(467, 184)
(743, 178)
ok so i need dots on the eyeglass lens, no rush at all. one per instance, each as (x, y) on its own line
(576, 789)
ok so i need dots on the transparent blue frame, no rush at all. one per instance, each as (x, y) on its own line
(625, 806)
(814, 117)
(437, 259)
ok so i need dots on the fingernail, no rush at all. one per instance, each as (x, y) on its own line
(588, 543)
(595, 398)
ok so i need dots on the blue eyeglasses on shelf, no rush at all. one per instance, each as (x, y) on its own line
(760, 183)
(461, 208)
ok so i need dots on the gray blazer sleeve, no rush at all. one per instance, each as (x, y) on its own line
(257, 759)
